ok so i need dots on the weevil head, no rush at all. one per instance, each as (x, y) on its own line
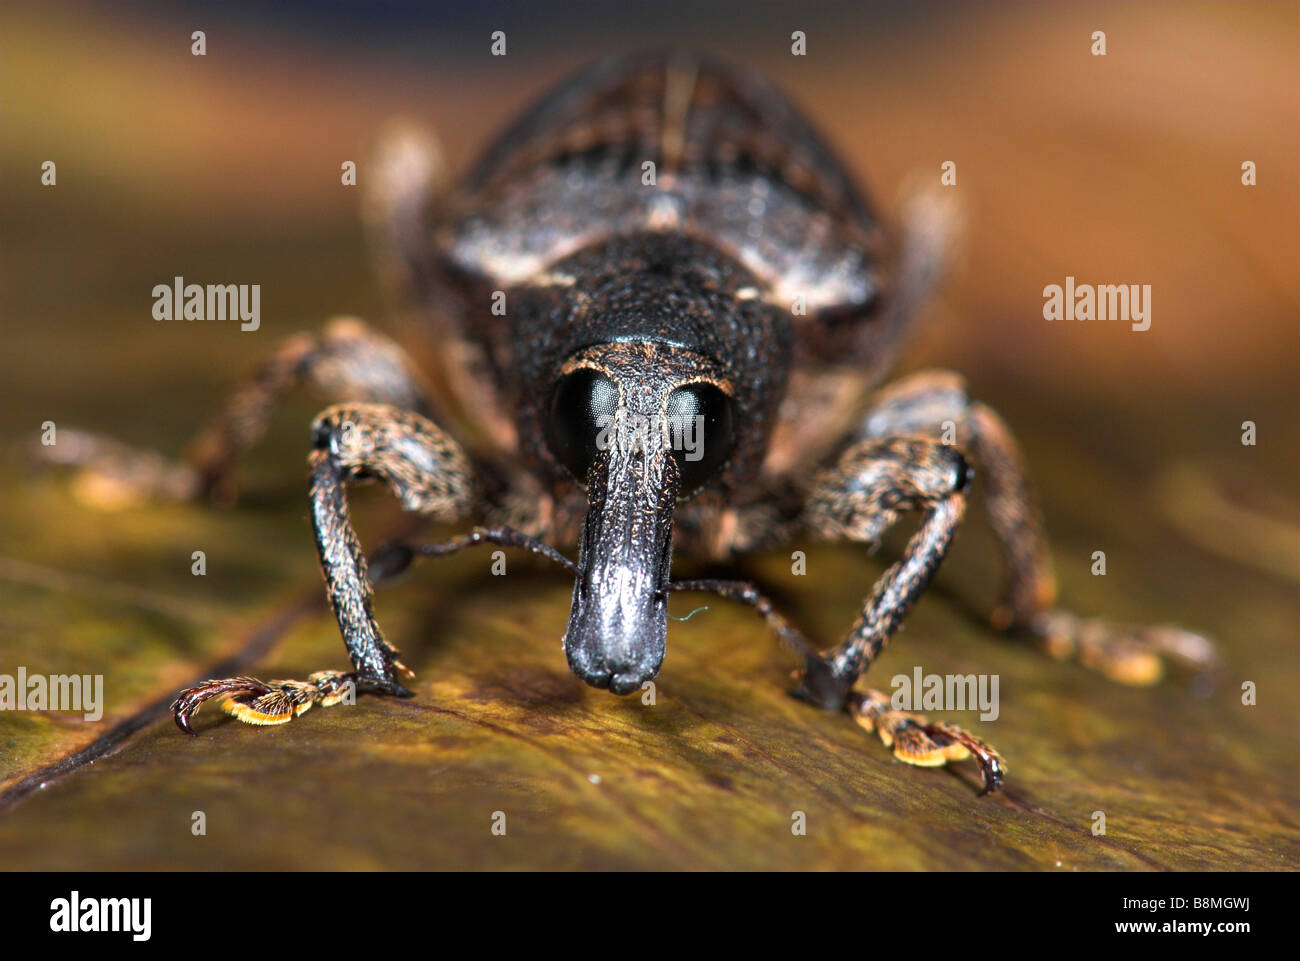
(646, 373)
(640, 425)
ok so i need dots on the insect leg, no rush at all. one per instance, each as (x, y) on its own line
(429, 474)
(916, 741)
(857, 498)
(934, 404)
(747, 593)
(267, 703)
(347, 361)
(394, 557)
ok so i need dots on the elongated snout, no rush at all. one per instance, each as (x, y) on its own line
(618, 624)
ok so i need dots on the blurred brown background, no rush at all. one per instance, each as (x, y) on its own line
(1117, 169)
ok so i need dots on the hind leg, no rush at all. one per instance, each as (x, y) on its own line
(347, 361)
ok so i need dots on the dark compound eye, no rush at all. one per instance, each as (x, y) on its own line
(584, 405)
(701, 431)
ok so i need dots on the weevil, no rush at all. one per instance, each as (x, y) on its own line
(666, 310)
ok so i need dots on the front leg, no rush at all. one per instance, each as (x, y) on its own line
(430, 474)
(934, 404)
(424, 468)
(857, 498)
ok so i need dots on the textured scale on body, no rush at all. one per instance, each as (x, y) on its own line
(735, 167)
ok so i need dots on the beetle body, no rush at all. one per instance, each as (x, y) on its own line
(658, 306)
